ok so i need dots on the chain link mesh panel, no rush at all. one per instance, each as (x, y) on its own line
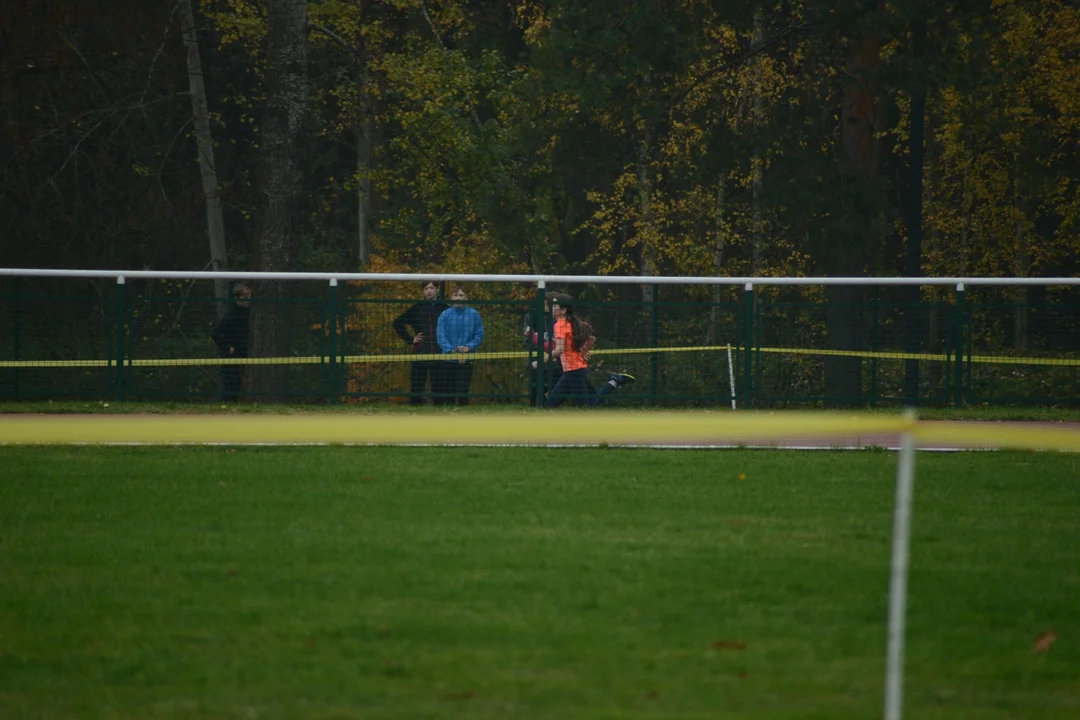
(805, 345)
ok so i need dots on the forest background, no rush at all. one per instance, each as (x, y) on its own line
(627, 137)
(677, 137)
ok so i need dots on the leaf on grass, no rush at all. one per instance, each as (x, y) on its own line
(728, 645)
(1043, 642)
(467, 695)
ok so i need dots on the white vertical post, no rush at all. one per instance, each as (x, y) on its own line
(894, 654)
(731, 376)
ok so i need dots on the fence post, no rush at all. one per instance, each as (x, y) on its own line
(958, 363)
(748, 346)
(655, 363)
(118, 368)
(912, 326)
(16, 350)
(331, 342)
(874, 309)
(540, 328)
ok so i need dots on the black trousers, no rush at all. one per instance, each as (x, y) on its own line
(231, 379)
(458, 380)
(419, 374)
(576, 385)
(552, 371)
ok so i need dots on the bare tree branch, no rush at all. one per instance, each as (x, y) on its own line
(75, 150)
(338, 39)
(733, 61)
(165, 159)
(160, 52)
(431, 24)
(438, 39)
(358, 57)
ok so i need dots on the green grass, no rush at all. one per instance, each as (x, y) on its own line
(528, 583)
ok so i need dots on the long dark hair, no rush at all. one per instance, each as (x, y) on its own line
(579, 329)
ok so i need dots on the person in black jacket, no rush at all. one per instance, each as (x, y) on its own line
(231, 337)
(417, 326)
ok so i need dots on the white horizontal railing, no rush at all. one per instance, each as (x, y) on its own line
(532, 279)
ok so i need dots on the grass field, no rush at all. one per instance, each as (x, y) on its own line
(338, 582)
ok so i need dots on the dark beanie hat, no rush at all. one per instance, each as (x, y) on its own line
(564, 300)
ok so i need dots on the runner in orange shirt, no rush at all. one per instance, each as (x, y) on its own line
(573, 341)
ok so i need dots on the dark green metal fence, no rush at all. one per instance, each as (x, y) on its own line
(769, 346)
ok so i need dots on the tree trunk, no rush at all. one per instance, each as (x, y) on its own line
(1022, 253)
(757, 179)
(281, 137)
(1022, 294)
(363, 173)
(718, 265)
(648, 251)
(858, 160)
(933, 244)
(966, 203)
(913, 262)
(934, 371)
(859, 148)
(843, 332)
(215, 224)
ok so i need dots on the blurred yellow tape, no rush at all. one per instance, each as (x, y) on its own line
(516, 427)
(529, 427)
(1015, 436)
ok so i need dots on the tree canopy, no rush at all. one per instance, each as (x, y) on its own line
(677, 137)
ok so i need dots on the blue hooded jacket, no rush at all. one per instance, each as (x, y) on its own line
(460, 326)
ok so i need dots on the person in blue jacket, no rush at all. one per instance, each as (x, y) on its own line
(460, 330)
